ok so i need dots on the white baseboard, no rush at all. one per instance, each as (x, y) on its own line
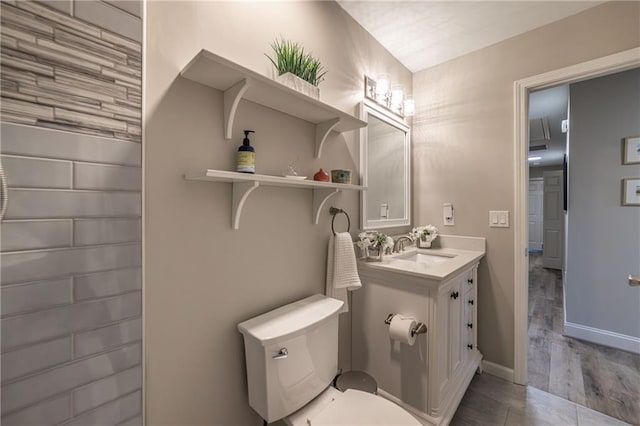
(498, 370)
(603, 337)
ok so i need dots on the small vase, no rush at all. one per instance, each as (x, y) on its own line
(424, 243)
(375, 254)
(321, 176)
(294, 82)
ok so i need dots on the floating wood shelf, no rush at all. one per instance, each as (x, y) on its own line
(244, 184)
(239, 83)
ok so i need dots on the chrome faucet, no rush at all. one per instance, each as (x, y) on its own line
(398, 246)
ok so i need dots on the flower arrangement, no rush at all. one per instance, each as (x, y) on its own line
(375, 239)
(291, 57)
(425, 234)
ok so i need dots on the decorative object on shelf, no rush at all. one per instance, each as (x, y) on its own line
(631, 150)
(297, 69)
(424, 235)
(341, 176)
(291, 172)
(321, 176)
(631, 191)
(246, 157)
(390, 97)
(374, 245)
(217, 72)
(244, 184)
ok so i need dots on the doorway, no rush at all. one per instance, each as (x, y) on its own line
(600, 67)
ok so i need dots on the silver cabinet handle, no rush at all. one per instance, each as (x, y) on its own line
(282, 354)
(634, 281)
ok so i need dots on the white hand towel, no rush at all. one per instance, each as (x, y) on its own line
(342, 270)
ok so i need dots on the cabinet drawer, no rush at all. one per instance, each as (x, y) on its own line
(469, 305)
(469, 280)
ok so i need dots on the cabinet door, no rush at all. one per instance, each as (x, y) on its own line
(449, 332)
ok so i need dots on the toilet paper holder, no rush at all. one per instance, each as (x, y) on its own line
(420, 327)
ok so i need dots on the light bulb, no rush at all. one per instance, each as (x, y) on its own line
(397, 95)
(409, 106)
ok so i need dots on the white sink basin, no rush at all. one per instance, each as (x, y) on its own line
(424, 259)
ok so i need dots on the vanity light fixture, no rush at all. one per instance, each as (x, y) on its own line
(409, 106)
(535, 158)
(382, 89)
(397, 98)
(390, 97)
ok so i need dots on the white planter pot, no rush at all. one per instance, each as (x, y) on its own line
(294, 82)
(424, 243)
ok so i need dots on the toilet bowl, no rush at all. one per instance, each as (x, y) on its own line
(352, 407)
(292, 359)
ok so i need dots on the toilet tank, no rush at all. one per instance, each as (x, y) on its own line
(291, 354)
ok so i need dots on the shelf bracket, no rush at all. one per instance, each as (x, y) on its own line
(241, 191)
(232, 98)
(320, 197)
(322, 131)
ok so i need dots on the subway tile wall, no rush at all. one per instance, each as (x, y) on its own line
(71, 281)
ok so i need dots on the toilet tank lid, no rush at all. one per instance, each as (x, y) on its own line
(290, 319)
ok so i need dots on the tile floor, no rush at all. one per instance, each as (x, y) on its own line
(492, 401)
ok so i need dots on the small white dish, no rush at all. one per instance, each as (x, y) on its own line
(295, 177)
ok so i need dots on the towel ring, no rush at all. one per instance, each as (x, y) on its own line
(334, 211)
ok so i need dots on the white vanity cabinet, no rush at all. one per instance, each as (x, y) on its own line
(430, 377)
(454, 334)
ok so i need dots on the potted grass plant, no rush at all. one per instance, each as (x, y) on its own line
(296, 68)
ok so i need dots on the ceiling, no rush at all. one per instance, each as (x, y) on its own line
(421, 34)
(550, 106)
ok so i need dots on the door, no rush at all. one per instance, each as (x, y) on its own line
(535, 214)
(553, 221)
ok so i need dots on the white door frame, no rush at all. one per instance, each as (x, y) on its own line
(617, 62)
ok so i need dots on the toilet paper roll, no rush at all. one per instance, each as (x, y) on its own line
(400, 329)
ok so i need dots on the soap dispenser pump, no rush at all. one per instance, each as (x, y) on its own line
(246, 157)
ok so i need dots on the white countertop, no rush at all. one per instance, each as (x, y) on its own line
(460, 260)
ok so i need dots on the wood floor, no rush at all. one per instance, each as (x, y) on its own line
(601, 378)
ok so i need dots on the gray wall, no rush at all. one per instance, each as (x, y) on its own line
(71, 240)
(463, 150)
(603, 237)
(202, 277)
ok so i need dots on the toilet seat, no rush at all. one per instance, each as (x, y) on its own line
(352, 407)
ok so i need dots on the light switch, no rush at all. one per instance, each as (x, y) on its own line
(499, 218)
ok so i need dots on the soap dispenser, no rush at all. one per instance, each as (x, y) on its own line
(246, 157)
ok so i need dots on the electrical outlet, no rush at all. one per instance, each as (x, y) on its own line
(384, 211)
(447, 214)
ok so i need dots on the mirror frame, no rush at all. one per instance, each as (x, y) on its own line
(366, 108)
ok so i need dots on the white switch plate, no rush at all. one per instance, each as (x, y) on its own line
(384, 211)
(447, 214)
(499, 218)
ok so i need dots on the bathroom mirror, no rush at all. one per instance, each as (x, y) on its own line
(385, 169)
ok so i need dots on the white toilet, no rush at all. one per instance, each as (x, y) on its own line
(292, 359)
